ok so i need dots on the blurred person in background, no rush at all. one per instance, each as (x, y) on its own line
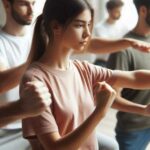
(15, 43)
(133, 131)
(110, 28)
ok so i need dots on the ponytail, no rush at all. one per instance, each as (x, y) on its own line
(39, 41)
(43, 33)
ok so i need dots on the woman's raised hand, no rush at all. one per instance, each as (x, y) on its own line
(104, 97)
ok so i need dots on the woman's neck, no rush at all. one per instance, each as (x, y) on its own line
(56, 57)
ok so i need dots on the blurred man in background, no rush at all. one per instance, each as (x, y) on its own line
(111, 27)
(133, 131)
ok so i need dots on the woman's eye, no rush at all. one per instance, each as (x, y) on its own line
(79, 25)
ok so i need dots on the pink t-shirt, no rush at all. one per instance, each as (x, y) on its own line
(72, 99)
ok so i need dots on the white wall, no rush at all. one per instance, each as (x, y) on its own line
(129, 13)
(38, 7)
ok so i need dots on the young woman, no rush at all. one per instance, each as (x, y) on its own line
(79, 92)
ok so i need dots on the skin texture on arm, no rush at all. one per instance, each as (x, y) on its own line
(76, 138)
(130, 79)
(138, 79)
(34, 100)
(99, 45)
(125, 105)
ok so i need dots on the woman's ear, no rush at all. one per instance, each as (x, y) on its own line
(57, 28)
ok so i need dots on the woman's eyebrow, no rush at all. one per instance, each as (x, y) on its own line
(81, 21)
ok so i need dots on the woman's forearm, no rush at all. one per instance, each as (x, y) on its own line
(104, 97)
(76, 138)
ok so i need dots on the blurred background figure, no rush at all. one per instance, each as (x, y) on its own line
(111, 27)
(133, 131)
(15, 40)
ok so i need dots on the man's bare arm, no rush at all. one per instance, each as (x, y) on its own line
(35, 100)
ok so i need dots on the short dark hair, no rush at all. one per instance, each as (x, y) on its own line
(111, 4)
(139, 3)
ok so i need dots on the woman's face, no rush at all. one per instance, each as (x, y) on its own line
(77, 34)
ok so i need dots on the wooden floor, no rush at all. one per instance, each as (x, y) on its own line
(108, 124)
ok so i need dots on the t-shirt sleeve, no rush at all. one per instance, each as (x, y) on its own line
(97, 73)
(45, 122)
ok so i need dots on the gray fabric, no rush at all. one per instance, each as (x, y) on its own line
(131, 59)
(12, 140)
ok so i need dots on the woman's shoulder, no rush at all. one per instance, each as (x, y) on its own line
(90, 68)
(85, 65)
(80, 63)
(33, 72)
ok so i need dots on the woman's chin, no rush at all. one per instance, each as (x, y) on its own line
(79, 49)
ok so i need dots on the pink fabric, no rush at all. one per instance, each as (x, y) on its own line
(72, 98)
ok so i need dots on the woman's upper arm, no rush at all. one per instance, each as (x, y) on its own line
(49, 141)
(122, 79)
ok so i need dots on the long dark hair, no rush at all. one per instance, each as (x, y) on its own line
(62, 11)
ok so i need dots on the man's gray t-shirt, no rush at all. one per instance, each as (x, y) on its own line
(132, 59)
